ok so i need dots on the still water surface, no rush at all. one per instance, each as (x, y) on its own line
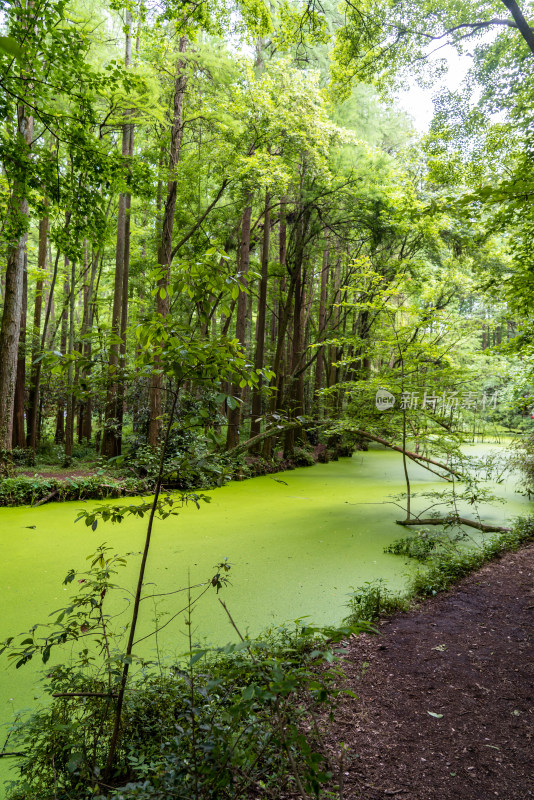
(297, 542)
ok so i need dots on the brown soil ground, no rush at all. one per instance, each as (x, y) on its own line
(60, 474)
(467, 657)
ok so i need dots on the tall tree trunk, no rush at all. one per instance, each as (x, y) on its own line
(10, 327)
(165, 245)
(283, 311)
(84, 398)
(112, 433)
(256, 410)
(319, 366)
(234, 414)
(334, 351)
(69, 422)
(295, 387)
(87, 324)
(33, 395)
(49, 314)
(60, 417)
(296, 394)
(19, 437)
(121, 398)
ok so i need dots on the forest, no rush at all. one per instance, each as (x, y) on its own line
(226, 251)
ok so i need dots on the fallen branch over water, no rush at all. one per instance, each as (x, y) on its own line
(409, 454)
(46, 499)
(416, 457)
(84, 694)
(480, 526)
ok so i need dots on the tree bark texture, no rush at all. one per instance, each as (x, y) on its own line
(12, 312)
(19, 436)
(524, 28)
(283, 312)
(60, 417)
(112, 434)
(320, 363)
(234, 414)
(33, 395)
(165, 245)
(259, 355)
(69, 421)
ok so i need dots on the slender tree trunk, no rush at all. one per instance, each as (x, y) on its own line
(319, 366)
(296, 386)
(307, 388)
(260, 323)
(86, 426)
(121, 398)
(165, 245)
(12, 311)
(19, 437)
(60, 418)
(112, 433)
(33, 395)
(69, 422)
(334, 350)
(283, 312)
(49, 314)
(234, 415)
(84, 332)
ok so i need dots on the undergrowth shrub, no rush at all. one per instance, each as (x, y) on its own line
(302, 457)
(373, 599)
(26, 490)
(420, 545)
(19, 456)
(446, 570)
(444, 565)
(425, 544)
(239, 722)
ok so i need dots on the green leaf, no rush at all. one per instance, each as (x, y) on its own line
(197, 657)
(248, 693)
(433, 714)
(74, 762)
(11, 47)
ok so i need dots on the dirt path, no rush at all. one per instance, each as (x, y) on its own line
(468, 658)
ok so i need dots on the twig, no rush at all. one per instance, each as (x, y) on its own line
(85, 694)
(480, 526)
(46, 499)
(234, 626)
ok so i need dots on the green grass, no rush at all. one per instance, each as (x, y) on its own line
(442, 568)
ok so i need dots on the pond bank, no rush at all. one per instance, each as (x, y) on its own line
(444, 709)
(37, 487)
(297, 542)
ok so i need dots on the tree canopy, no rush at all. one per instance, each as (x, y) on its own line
(227, 203)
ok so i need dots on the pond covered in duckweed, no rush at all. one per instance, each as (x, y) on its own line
(296, 541)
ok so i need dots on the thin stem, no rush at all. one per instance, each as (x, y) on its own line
(192, 688)
(137, 599)
(234, 626)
